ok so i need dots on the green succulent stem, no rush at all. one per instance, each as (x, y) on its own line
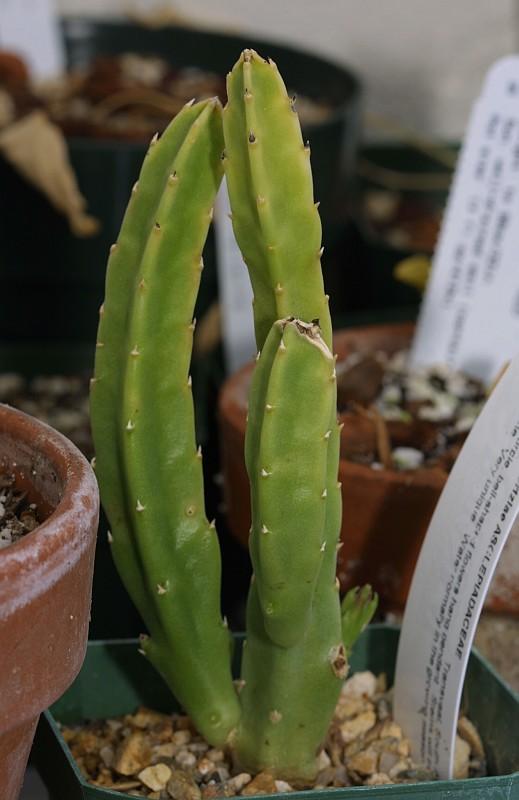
(274, 216)
(148, 463)
(294, 661)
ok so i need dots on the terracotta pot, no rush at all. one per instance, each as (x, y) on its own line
(385, 513)
(45, 584)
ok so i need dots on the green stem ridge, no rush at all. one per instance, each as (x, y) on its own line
(287, 463)
(165, 548)
(269, 179)
(292, 681)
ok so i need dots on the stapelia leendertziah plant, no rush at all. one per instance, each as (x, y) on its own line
(148, 464)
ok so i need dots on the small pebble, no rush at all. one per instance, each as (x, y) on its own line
(323, 760)
(238, 782)
(185, 759)
(133, 754)
(388, 761)
(182, 737)
(204, 766)
(356, 726)
(362, 684)
(263, 783)
(181, 787)
(407, 457)
(378, 779)
(365, 762)
(215, 755)
(467, 731)
(155, 777)
(283, 786)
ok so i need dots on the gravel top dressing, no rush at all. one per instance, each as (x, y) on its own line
(160, 756)
(402, 418)
(17, 516)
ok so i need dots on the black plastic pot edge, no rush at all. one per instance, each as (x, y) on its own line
(488, 699)
(269, 47)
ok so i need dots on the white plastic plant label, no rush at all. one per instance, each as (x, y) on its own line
(234, 288)
(467, 533)
(30, 29)
(470, 314)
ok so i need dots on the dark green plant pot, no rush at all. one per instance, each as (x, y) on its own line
(381, 167)
(115, 679)
(52, 282)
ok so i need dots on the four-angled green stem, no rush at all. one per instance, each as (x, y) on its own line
(148, 462)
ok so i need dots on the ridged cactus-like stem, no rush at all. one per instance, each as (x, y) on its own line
(292, 397)
(274, 217)
(292, 682)
(149, 466)
(152, 485)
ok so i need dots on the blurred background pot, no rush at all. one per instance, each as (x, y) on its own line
(45, 584)
(401, 190)
(386, 512)
(52, 273)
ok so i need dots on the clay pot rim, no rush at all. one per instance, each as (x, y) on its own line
(230, 409)
(60, 540)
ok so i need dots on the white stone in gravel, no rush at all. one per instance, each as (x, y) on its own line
(419, 389)
(407, 457)
(283, 786)
(443, 409)
(391, 394)
(185, 759)
(362, 684)
(239, 781)
(323, 760)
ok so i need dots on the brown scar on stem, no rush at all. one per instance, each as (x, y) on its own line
(339, 662)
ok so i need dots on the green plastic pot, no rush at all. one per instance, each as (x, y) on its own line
(115, 679)
(52, 282)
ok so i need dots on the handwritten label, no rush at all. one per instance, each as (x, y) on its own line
(30, 29)
(467, 533)
(234, 289)
(470, 314)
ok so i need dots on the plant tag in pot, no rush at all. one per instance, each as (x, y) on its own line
(469, 528)
(470, 314)
(235, 289)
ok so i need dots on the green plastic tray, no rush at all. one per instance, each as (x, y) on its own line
(115, 679)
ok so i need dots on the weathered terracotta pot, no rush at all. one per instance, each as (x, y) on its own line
(45, 584)
(385, 513)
